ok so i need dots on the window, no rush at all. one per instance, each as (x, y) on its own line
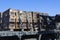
(13, 13)
(24, 25)
(12, 20)
(6, 15)
(58, 25)
(12, 26)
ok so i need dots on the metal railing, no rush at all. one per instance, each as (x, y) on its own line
(18, 33)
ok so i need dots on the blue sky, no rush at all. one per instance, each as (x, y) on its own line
(50, 6)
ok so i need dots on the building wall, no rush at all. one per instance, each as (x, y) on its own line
(10, 16)
(0, 21)
(57, 21)
(5, 19)
(14, 18)
(17, 19)
(36, 21)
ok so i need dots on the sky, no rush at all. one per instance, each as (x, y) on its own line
(52, 7)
